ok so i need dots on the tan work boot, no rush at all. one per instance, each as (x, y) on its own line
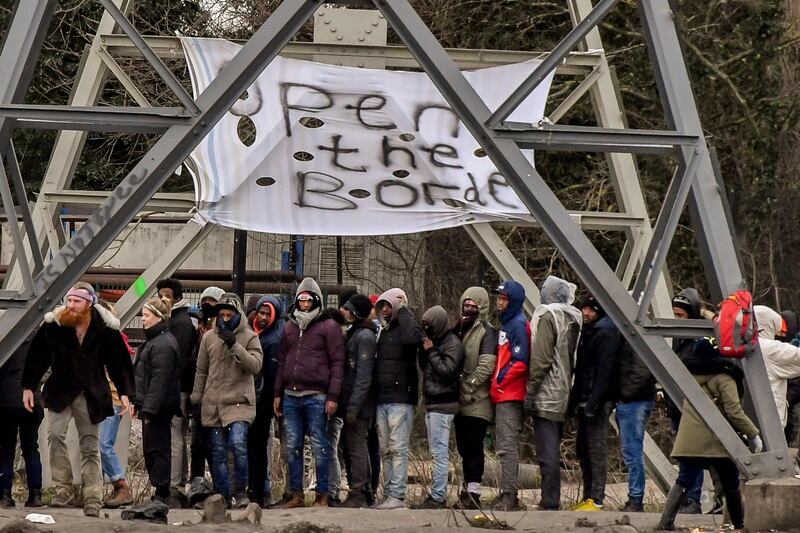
(321, 500)
(121, 496)
(298, 499)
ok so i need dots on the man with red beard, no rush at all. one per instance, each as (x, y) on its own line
(78, 342)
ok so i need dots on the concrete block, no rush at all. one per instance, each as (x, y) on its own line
(771, 504)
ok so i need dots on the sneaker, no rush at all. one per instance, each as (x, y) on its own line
(690, 507)
(61, 499)
(469, 500)
(355, 500)
(241, 499)
(507, 502)
(92, 509)
(391, 503)
(633, 506)
(588, 505)
(430, 503)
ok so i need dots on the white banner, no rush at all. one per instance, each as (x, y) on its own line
(350, 151)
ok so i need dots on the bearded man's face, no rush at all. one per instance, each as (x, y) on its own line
(77, 312)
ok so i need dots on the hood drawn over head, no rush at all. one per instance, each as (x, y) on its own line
(515, 293)
(790, 320)
(480, 296)
(309, 285)
(557, 291)
(394, 297)
(276, 308)
(768, 320)
(436, 317)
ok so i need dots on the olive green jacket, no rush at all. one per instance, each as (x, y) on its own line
(480, 349)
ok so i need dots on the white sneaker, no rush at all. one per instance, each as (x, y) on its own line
(391, 503)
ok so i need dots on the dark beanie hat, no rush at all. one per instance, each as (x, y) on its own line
(592, 303)
(345, 296)
(359, 305)
(680, 301)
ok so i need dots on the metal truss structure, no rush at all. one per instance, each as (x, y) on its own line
(42, 278)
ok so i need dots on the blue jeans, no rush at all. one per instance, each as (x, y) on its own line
(301, 415)
(632, 420)
(232, 438)
(108, 437)
(438, 426)
(394, 422)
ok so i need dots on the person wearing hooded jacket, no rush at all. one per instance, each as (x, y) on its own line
(307, 387)
(782, 359)
(229, 358)
(268, 325)
(696, 447)
(788, 334)
(357, 401)
(556, 327)
(476, 411)
(591, 399)
(181, 326)
(397, 391)
(158, 397)
(441, 360)
(507, 389)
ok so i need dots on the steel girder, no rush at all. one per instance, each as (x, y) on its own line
(502, 143)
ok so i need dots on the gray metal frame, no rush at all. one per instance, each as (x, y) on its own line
(695, 181)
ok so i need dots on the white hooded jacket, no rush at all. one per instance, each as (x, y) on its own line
(781, 358)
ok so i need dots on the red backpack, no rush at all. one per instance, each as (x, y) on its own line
(735, 325)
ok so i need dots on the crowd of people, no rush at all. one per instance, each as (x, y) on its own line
(207, 384)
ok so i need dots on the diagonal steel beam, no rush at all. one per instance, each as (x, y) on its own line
(667, 223)
(549, 64)
(707, 210)
(578, 251)
(22, 200)
(66, 266)
(161, 69)
(16, 234)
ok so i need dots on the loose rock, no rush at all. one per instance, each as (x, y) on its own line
(251, 513)
(309, 527)
(20, 526)
(214, 510)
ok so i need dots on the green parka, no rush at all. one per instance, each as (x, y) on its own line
(694, 439)
(480, 349)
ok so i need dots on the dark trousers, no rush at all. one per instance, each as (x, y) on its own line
(156, 444)
(200, 447)
(592, 450)
(257, 454)
(374, 448)
(547, 442)
(690, 468)
(470, 434)
(17, 421)
(354, 443)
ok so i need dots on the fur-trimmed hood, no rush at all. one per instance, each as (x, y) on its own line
(109, 319)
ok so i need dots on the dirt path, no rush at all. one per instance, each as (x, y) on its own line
(73, 521)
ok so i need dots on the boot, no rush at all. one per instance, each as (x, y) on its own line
(6, 500)
(674, 500)
(34, 498)
(198, 491)
(297, 499)
(355, 500)
(321, 500)
(507, 502)
(121, 496)
(469, 500)
(241, 499)
(733, 500)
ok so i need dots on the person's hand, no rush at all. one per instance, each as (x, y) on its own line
(228, 337)
(127, 407)
(330, 408)
(528, 405)
(350, 418)
(756, 445)
(276, 406)
(27, 399)
(427, 343)
(134, 413)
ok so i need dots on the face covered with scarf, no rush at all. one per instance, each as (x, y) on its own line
(228, 319)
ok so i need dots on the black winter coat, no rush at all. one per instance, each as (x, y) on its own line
(636, 382)
(158, 373)
(11, 380)
(357, 396)
(395, 379)
(185, 333)
(80, 368)
(596, 366)
(441, 371)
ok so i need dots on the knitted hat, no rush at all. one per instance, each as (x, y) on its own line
(346, 295)
(592, 303)
(360, 305)
(250, 306)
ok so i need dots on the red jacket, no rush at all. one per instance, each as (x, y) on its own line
(510, 378)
